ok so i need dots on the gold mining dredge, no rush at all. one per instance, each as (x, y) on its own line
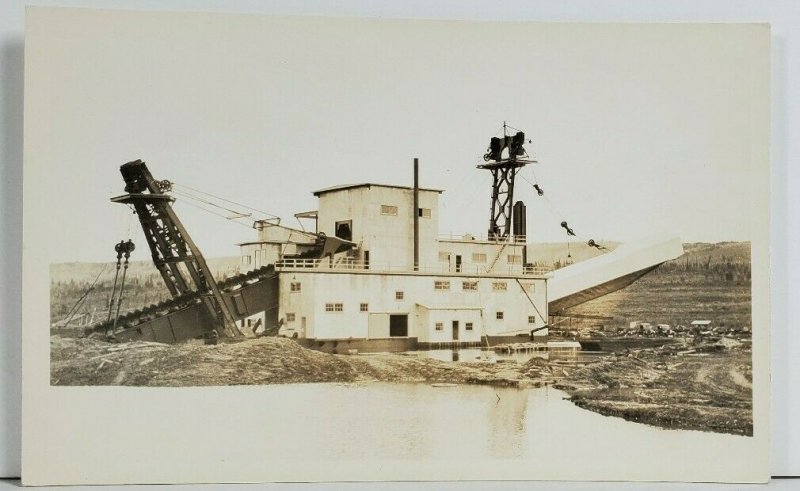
(375, 275)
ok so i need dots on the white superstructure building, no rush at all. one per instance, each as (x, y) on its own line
(463, 288)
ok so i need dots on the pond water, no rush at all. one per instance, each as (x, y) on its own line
(420, 421)
(472, 355)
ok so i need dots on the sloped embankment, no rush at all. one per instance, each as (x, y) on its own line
(265, 360)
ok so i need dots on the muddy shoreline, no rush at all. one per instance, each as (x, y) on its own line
(703, 388)
(707, 389)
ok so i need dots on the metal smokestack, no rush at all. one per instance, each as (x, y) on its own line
(520, 225)
(416, 214)
(520, 221)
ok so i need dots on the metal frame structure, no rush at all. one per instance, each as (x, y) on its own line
(176, 256)
(503, 172)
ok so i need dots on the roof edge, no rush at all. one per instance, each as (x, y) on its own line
(344, 187)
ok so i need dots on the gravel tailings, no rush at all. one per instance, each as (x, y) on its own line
(259, 361)
(707, 389)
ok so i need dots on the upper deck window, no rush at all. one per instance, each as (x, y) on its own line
(478, 257)
(389, 210)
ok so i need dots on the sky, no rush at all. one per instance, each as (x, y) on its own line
(638, 130)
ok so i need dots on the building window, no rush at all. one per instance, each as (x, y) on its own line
(247, 260)
(499, 286)
(499, 316)
(531, 319)
(289, 317)
(441, 285)
(514, 259)
(344, 230)
(478, 257)
(469, 286)
(388, 210)
(294, 286)
(398, 295)
(334, 307)
(424, 212)
(439, 326)
(468, 326)
(444, 257)
(364, 307)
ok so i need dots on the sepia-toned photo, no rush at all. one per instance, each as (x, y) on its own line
(402, 241)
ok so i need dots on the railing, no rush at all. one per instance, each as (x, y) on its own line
(537, 270)
(439, 268)
(511, 239)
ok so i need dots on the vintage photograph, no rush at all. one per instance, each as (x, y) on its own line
(437, 238)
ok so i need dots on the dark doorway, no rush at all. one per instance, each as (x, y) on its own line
(458, 264)
(398, 325)
(344, 231)
(455, 330)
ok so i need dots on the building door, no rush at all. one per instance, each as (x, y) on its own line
(398, 325)
(303, 327)
(458, 264)
(455, 330)
(377, 326)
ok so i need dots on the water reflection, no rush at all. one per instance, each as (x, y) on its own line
(418, 421)
(506, 418)
(474, 355)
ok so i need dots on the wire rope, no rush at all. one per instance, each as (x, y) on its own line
(226, 200)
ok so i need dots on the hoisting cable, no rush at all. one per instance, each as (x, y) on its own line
(569, 251)
(126, 248)
(130, 219)
(215, 213)
(570, 232)
(283, 249)
(114, 287)
(79, 302)
(237, 213)
(227, 200)
(531, 301)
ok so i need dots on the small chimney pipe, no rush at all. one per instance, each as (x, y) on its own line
(416, 214)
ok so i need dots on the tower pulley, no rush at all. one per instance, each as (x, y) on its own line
(504, 158)
(123, 248)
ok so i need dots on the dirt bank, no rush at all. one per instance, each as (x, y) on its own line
(707, 387)
(251, 362)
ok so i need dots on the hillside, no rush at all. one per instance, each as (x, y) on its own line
(87, 272)
(710, 281)
(143, 286)
(555, 253)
